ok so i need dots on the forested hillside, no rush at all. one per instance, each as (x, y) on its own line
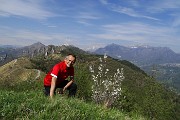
(141, 94)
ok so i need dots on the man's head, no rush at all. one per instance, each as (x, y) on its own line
(70, 60)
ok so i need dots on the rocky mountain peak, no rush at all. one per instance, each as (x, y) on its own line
(36, 45)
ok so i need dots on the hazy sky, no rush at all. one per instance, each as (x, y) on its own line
(88, 23)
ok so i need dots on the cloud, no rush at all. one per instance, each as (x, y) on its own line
(105, 2)
(130, 11)
(160, 6)
(25, 8)
(176, 22)
(138, 32)
(52, 26)
(169, 7)
(85, 15)
(26, 37)
(85, 18)
(84, 22)
(142, 9)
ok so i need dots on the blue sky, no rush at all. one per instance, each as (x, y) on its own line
(91, 23)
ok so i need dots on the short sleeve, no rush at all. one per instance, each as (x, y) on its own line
(55, 71)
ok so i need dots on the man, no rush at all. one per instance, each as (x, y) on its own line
(56, 78)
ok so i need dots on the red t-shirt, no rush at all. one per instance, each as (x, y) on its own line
(60, 71)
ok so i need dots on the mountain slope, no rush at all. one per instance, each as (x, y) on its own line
(141, 93)
(17, 71)
(138, 88)
(159, 62)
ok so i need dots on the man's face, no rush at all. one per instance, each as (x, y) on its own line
(70, 60)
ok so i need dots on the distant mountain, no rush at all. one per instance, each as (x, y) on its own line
(9, 46)
(159, 62)
(142, 55)
(8, 54)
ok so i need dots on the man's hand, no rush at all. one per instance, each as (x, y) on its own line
(61, 91)
(69, 83)
(64, 89)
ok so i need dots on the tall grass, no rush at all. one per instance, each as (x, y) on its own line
(34, 105)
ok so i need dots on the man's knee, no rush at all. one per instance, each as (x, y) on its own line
(73, 86)
(47, 90)
(72, 90)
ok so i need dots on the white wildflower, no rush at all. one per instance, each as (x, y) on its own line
(106, 87)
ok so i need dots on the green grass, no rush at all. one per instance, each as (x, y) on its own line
(23, 99)
(34, 105)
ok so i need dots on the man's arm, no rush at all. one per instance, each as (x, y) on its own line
(53, 85)
(69, 83)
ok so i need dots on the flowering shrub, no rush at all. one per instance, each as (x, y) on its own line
(107, 87)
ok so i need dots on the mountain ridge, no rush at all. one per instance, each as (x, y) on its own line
(141, 55)
(141, 92)
(8, 54)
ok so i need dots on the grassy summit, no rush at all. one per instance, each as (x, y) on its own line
(22, 97)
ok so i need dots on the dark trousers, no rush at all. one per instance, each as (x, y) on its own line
(72, 88)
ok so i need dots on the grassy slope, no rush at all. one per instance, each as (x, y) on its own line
(142, 93)
(24, 99)
(31, 105)
(18, 71)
